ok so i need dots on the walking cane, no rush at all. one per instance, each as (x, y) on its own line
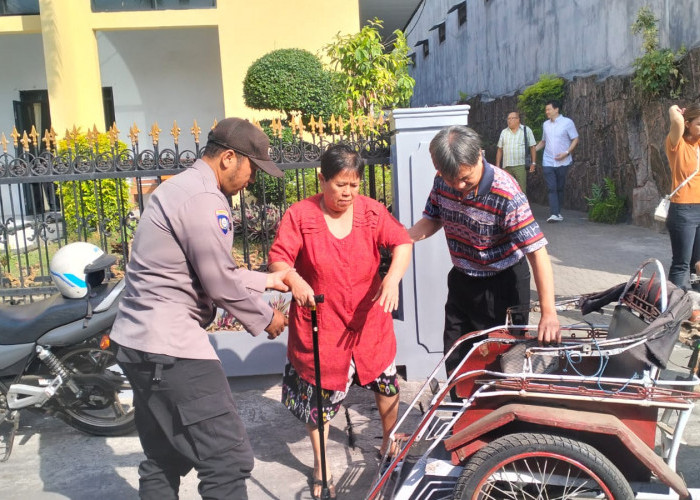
(325, 491)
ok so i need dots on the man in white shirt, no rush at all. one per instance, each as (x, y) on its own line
(515, 145)
(559, 139)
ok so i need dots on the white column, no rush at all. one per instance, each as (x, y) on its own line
(424, 287)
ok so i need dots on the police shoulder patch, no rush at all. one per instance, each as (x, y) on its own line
(223, 221)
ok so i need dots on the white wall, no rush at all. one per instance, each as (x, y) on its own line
(506, 45)
(161, 76)
(22, 69)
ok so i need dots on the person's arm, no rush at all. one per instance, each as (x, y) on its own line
(561, 156)
(388, 293)
(499, 155)
(548, 331)
(424, 228)
(540, 145)
(533, 156)
(675, 133)
(302, 292)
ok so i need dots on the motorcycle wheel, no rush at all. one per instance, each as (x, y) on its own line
(105, 406)
(541, 466)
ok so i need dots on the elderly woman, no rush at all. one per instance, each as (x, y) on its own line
(683, 222)
(332, 242)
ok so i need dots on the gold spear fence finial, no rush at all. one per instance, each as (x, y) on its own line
(47, 139)
(25, 141)
(69, 145)
(155, 133)
(15, 136)
(300, 126)
(52, 135)
(321, 126)
(196, 130)
(34, 136)
(113, 134)
(175, 131)
(134, 134)
(3, 141)
(312, 125)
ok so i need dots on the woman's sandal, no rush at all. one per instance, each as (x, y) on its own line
(319, 482)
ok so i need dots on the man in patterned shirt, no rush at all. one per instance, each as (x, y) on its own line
(491, 235)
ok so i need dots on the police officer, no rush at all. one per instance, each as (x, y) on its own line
(181, 269)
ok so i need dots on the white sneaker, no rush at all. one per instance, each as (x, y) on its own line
(554, 218)
(559, 218)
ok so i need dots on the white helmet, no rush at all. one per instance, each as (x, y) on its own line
(68, 268)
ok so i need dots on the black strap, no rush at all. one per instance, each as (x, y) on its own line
(525, 141)
(157, 373)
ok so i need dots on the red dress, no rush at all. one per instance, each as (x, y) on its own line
(345, 271)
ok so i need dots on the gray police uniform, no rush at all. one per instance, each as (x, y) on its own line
(179, 271)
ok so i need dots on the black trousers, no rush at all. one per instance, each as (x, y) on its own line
(187, 420)
(479, 303)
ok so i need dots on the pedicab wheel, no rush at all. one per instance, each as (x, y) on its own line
(541, 466)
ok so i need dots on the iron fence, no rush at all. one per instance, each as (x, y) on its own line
(92, 187)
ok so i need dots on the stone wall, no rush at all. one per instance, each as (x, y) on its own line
(621, 136)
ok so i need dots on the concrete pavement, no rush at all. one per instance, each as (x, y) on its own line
(52, 461)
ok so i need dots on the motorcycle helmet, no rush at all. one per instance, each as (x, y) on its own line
(68, 269)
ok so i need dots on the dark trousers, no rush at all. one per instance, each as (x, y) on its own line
(479, 303)
(555, 178)
(187, 420)
(683, 223)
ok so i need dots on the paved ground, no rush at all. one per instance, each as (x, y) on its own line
(53, 461)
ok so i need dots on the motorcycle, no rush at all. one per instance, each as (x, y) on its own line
(56, 357)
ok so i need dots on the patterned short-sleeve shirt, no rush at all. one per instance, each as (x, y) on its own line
(488, 230)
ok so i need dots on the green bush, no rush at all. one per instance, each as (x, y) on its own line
(93, 201)
(532, 101)
(605, 205)
(290, 80)
(657, 72)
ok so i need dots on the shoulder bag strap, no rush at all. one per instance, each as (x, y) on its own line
(525, 141)
(687, 179)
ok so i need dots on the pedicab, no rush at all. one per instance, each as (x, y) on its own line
(595, 416)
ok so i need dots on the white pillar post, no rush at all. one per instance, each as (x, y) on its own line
(424, 287)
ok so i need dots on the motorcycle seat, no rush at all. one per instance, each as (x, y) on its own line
(25, 323)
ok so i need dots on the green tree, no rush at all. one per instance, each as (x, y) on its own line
(657, 72)
(290, 80)
(369, 75)
(532, 101)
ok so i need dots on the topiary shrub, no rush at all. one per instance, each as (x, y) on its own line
(534, 98)
(290, 80)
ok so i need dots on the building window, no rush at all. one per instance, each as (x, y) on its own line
(122, 5)
(19, 7)
(461, 9)
(426, 48)
(441, 31)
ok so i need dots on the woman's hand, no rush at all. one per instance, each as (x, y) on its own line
(388, 294)
(302, 292)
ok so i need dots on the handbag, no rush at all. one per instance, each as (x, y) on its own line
(661, 212)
